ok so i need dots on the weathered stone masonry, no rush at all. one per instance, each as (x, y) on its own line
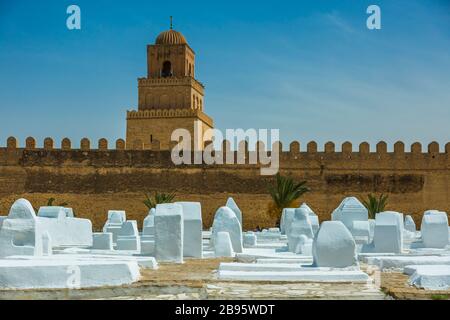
(415, 180)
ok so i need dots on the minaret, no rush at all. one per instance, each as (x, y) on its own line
(169, 97)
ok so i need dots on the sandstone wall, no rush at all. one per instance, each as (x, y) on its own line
(158, 126)
(95, 180)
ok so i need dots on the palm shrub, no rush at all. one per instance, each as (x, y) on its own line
(375, 205)
(151, 202)
(284, 192)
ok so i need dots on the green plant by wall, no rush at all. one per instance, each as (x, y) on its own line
(375, 205)
(158, 198)
(284, 192)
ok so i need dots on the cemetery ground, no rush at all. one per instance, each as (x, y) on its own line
(50, 253)
(195, 279)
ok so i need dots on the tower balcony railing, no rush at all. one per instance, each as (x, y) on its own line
(170, 81)
(168, 113)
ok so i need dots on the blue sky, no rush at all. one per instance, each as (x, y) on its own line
(310, 68)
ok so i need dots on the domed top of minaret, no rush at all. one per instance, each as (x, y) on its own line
(171, 36)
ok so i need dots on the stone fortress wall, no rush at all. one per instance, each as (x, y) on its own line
(94, 179)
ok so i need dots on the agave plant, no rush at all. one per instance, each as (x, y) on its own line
(375, 205)
(158, 198)
(285, 192)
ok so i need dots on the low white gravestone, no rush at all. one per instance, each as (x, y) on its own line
(222, 245)
(114, 223)
(233, 206)
(361, 231)
(55, 212)
(388, 237)
(20, 234)
(192, 220)
(350, 209)
(102, 241)
(149, 223)
(225, 220)
(128, 238)
(410, 225)
(334, 246)
(304, 245)
(434, 229)
(314, 218)
(64, 230)
(47, 247)
(147, 247)
(148, 234)
(52, 212)
(1, 221)
(300, 226)
(372, 224)
(429, 277)
(116, 217)
(67, 272)
(268, 235)
(69, 213)
(250, 239)
(286, 220)
(169, 232)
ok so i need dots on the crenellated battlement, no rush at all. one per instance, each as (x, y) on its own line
(117, 153)
(329, 147)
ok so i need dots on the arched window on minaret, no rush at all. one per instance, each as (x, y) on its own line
(190, 70)
(166, 69)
